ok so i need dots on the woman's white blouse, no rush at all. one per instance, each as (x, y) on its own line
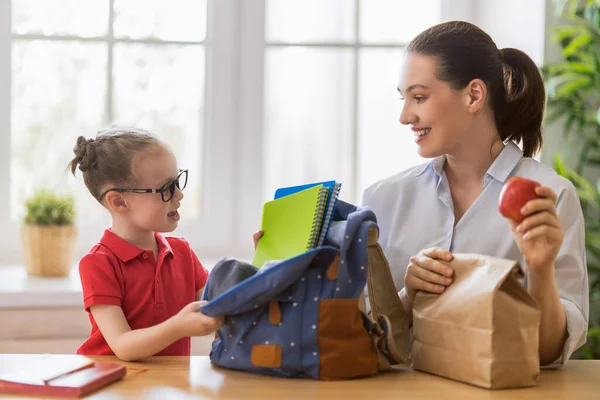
(414, 211)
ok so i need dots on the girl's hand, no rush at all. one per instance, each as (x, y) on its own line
(256, 237)
(426, 273)
(540, 235)
(191, 322)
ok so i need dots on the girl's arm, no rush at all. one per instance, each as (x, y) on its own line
(130, 345)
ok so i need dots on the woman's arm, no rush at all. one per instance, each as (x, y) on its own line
(553, 326)
(551, 239)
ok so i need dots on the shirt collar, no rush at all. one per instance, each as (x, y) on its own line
(126, 251)
(163, 244)
(437, 164)
(500, 169)
(506, 162)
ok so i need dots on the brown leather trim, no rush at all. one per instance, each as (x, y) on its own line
(345, 348)
(266, 355)
(334, 267)
(274, 312)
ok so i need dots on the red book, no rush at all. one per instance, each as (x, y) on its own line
(55, 375)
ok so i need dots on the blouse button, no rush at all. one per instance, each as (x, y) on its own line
(145, 256)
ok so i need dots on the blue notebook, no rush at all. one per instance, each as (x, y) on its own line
(332, 196)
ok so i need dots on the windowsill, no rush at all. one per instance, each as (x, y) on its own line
(18, 290)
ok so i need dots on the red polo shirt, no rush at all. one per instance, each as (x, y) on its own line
(149, 291)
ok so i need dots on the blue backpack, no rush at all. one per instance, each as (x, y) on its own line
(306, 316)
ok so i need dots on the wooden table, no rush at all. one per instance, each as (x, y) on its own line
(177, 378)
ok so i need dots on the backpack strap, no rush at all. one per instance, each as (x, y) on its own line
(386, 310)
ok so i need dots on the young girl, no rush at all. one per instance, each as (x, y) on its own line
(141, 289)
(469, 104)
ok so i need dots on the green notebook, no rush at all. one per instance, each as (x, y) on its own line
(290, 225)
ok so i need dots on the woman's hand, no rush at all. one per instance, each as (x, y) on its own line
(540, 235)
(426, 272)
(256, 237)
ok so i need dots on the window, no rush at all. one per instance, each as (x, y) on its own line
(73, 68)
(331, 105)
(252, 95)
(131, 62)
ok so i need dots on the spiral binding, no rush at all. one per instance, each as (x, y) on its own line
(319, 211)
(329, 214)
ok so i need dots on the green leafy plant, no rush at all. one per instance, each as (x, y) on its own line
(589, 197)
(573, 87)
(50, 209)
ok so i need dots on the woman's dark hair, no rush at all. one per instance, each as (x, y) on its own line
(516, 92)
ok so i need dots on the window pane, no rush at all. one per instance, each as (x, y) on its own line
(58, 94)
(385, 147)
(60, 17)
(181, 20)
(308, 116)
(397, 20)
(301, 21)
(161, 88)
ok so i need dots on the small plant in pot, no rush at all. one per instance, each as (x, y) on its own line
(49, 234)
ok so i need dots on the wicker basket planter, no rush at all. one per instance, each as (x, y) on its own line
(48, 250)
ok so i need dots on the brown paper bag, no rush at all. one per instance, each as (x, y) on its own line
(482, 330)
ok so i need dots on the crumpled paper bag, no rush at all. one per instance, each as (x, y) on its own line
(483, 330)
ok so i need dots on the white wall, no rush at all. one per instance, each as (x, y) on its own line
(514, 23)
(526, 25)
(554, 138)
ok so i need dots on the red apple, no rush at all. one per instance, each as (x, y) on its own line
(516, 192)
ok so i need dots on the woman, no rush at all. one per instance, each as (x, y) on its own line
(469, 104)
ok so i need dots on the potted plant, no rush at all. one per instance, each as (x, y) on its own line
(49, 234)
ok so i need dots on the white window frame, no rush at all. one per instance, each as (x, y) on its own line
(233, 132)
(9, 232)
(251, 86)
(212, 231)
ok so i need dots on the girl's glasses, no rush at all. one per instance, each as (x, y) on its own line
(166, 191)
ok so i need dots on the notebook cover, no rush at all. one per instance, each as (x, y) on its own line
(290, 225)
(332, 196)
(286, 191)
(57, 375)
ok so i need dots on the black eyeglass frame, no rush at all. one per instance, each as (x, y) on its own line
(168, 187)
